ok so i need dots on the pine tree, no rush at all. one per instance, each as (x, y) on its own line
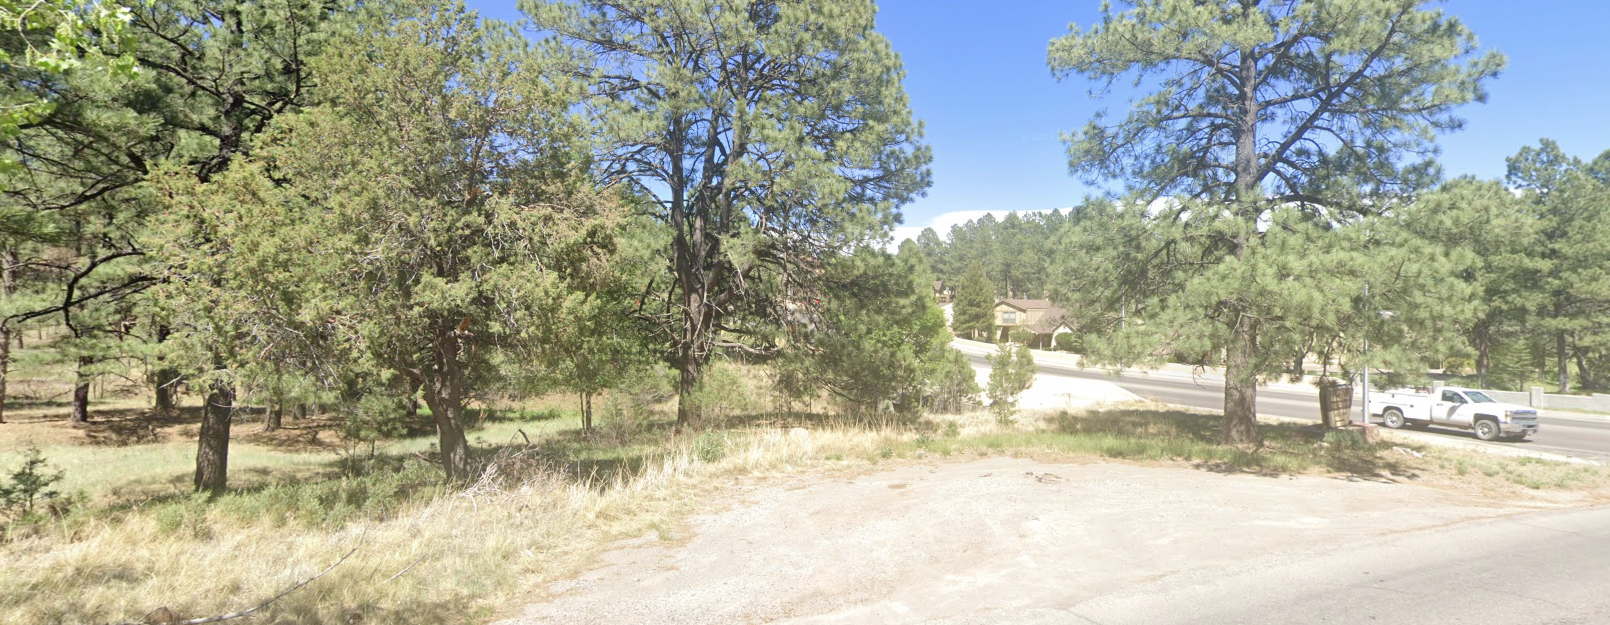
(1570, 203)
(973, 313)
(1285, 112)
(768, 136)
(1011, 372)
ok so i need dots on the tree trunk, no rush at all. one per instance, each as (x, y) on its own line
(1241, 384)
(1563, 357)
(165, 379)
(1585, 373)
(212, 446)
(586, 412)
(1484, 355)
(8, 286)
(692, 370)
(448, 410)
(167, 391)
(81, 392)
(274, 417)
(1240, 357)
(301, 412)
(5, 365)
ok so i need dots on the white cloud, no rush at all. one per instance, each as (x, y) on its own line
(943, 222)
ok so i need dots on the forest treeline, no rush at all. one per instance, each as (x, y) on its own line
(362, 205)
(1514, 271)
(367, 205)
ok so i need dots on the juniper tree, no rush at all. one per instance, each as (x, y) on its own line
(414, 223)
(881, 342)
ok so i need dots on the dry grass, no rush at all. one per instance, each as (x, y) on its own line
(544, 511)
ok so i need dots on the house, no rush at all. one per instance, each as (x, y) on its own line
(943, 293)
(1040, 316)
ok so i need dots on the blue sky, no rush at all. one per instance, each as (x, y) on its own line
(976, 74)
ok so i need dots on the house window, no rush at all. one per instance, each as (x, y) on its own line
(1009, 318)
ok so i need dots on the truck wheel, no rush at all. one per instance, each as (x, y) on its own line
(1392, 418)
(1488, 430)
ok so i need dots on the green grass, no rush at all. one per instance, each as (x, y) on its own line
(1531, 473)
(133, 470)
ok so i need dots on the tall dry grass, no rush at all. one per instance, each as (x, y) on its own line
(421, 554)
(450, 557)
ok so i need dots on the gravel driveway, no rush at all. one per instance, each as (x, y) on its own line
(988, 541)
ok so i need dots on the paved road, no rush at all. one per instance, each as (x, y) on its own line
(1540, 568)
(1571, 437)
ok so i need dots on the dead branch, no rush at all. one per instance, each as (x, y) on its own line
(405, 570)
(254, 609)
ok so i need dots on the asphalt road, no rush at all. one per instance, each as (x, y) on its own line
(1585, 439)
(1539, 568)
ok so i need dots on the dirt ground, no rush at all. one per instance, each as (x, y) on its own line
(134, 424)
(992, 540)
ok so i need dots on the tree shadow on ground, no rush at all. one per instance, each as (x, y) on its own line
(1194, 437)
(122, 428)
(870, 420)
(600, 459)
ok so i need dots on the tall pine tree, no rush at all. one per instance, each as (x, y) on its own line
(973, 312)
(1284, 111)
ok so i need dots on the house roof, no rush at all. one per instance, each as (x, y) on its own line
(1050, 320)
(1026, 305)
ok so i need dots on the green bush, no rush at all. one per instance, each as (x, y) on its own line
(29, 486)
(1011, 372)
(391, 485)
(651, 386)
(1342, 440)
(951, 383)
(724, 392)
(710, 447)
(1068, 342)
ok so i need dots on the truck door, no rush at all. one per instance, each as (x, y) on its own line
(1447, 407)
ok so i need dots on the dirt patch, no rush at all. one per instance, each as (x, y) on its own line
(954, 542)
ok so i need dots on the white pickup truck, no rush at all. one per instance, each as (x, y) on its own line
(1454, 407)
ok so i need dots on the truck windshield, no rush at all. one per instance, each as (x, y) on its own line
(1479, 398)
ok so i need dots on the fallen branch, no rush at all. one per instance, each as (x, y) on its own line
(426, 458)
(405, 570)
(252, 610)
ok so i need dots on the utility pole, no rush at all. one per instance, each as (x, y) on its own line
(1364, 417)
(1383, 314)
